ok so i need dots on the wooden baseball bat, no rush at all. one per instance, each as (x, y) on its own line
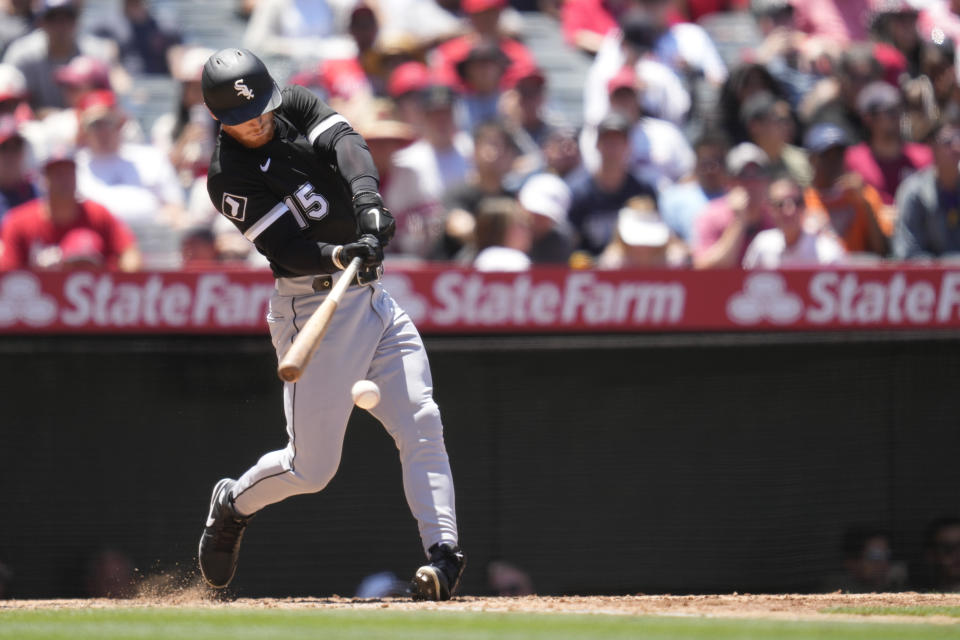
(307, 341)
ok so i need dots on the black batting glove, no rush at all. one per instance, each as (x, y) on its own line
(373, 217)
(367, 248)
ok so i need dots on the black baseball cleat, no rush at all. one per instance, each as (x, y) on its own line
(220, 542)
(439, 579)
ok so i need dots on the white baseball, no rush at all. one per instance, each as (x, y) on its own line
(366, 394)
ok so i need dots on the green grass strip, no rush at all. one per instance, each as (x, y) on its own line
(952, 612)
(234, 624)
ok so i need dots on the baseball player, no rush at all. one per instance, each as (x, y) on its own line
(300, 184)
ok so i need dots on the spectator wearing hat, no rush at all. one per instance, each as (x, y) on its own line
(546, 198)
(480, 74)
(885, 159)
(662, 93)
(145, 45)
(659, 153)
(641, 240)
(36, 235)
(502, 237)
(442, 157)
(837, 199)
(135, 182)
(418, 214)
(493, 156)
(484, 21)
(16, 186)
(599, 195)
(41, 52)
(770, 125)
(523, 109)
(928, 202)
(406, 86)
(682, 203)
(894, 22)
(727, 226)
(788, 244)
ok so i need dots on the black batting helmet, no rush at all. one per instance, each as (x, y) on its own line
(237, 86)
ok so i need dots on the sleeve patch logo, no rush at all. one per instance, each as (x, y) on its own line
(234, 207)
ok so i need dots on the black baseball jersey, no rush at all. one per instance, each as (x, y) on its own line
(293, 196)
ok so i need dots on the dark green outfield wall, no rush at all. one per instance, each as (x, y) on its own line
(618, 464)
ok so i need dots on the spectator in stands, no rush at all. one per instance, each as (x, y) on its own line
(36, 235)
(795, 59)
(76, 79)
(16, 19)
(561, 153)
(187, 133)
(834, 99)
(135, 182)
(480, 74)
(867, 563)
(198, 249)
(484, 22)
(681, 203)
(418, 213)
(16, 186)
(728, 225)
(298, 30)
(928, 203)
(931, 97)
(789, 244)
(895, 23)
(885, 159)
(586, 22)
(838, 200)
(941, 545)
(406, 86)
(770, 126)
(41, 52)
(661, 90)
(143, 43)
(546, 199)
(641, 239)
(745, 81)
(523, 110)
(493, 155)
(442, 157)
(502, 236)
(599, 196)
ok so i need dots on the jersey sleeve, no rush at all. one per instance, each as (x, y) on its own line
(332, 138)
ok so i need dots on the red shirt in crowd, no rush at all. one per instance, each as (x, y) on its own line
(885, 176)
(30, 237)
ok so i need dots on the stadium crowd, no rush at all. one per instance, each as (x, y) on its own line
(711, 133)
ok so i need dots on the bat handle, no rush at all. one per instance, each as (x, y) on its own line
(305, 344)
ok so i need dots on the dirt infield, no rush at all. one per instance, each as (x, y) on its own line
(783, 607)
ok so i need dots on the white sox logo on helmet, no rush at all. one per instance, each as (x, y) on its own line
(242, 89)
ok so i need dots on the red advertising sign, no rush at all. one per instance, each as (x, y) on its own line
(448, 300)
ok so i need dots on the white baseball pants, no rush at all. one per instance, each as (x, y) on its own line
(370, 337)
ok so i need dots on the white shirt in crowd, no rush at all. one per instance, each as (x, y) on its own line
(769, 251)
(439, 171)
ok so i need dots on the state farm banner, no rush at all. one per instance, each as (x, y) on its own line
(447, 300)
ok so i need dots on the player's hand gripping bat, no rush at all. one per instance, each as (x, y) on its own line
(307, 341)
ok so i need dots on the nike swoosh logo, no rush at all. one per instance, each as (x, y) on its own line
(265, 166)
